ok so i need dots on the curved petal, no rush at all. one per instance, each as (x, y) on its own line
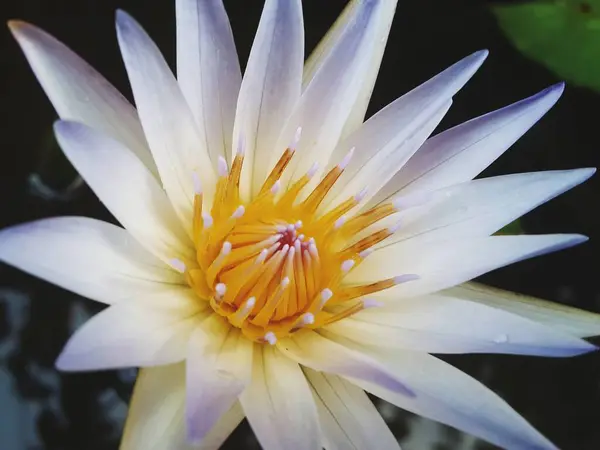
(328, 42)
(383, 137)
(481, 207)
(79, 93)
(270, 89)
(443, 264)
(443, 324)
(131, 336)
(89, 257)
(445, 394)
(349, 420)
(567, 319)
(322, 354)
(327, 102)
(126, 188)
(208, 70)
(461, 153)
(156, 414)
(219, 367)
(166, 118)
(279, 404)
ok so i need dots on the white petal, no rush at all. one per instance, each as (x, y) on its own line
(279, 404)
(328, 42)
(130, 336)
(384, 163)
(461, 153)
(208, 70)
(80, 93)
(327, 102)
(270, 88)
(156, 414)
(481, 207)
(126, 188)
(91, 258)
(322, 354)
(167, 120)
(445, 394)
(219, 367)
(381, 138)
(444, 264)
(348, 418)
(443, 324)
(567, 319)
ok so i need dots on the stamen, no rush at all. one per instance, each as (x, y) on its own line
(270, 338)
(178, 265)
(347, 265)
(222, 167)
(239, 212)
(197, 183)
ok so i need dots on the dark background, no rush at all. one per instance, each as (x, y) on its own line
(41, 409)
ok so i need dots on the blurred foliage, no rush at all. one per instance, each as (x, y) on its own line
(563, 35)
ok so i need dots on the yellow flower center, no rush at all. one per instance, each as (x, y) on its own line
(274, 266)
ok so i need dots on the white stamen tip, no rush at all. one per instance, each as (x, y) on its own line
(263, 255)
(220, 289)
(197, 183)
(222, 167)
(226, 249)
(298, 225)
(346, 159)
(371, 303)
(241, 147)
(297, 136)
(301, 237)
(338, 223)
(406, 278)
(285, 282)
(276, 187)
(207, 220)
(281, 228)
(271, 338)
(365, 253)
(239, 212)
(308, 319)
(178, 265)
(347, 265)
(395, 227)
(312, 171)
(326, 294)
(361, 195)
(250, 303)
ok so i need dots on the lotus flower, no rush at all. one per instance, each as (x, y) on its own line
(277, 257)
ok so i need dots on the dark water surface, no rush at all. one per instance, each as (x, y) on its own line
(41, 409)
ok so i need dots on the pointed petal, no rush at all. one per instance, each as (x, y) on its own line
(444, 324)
(445, 394)
(348, 418)
(130, 336)
(156, 413)
(461, 153)
(567, 319)
(481, 207)
(208, 70)
(166, 118)
(327, 102)
(436, 263)
(384, 136)
(219, 367)
(324, 47)
(79, 93)
(126, 188)
(279, 404)
(270, 88)
(383, 165)
(322, 354)
(89, 257)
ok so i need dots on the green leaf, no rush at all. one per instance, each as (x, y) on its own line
(512, 228)
(563, 35)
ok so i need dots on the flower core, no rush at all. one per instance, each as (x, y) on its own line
(273, 266)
